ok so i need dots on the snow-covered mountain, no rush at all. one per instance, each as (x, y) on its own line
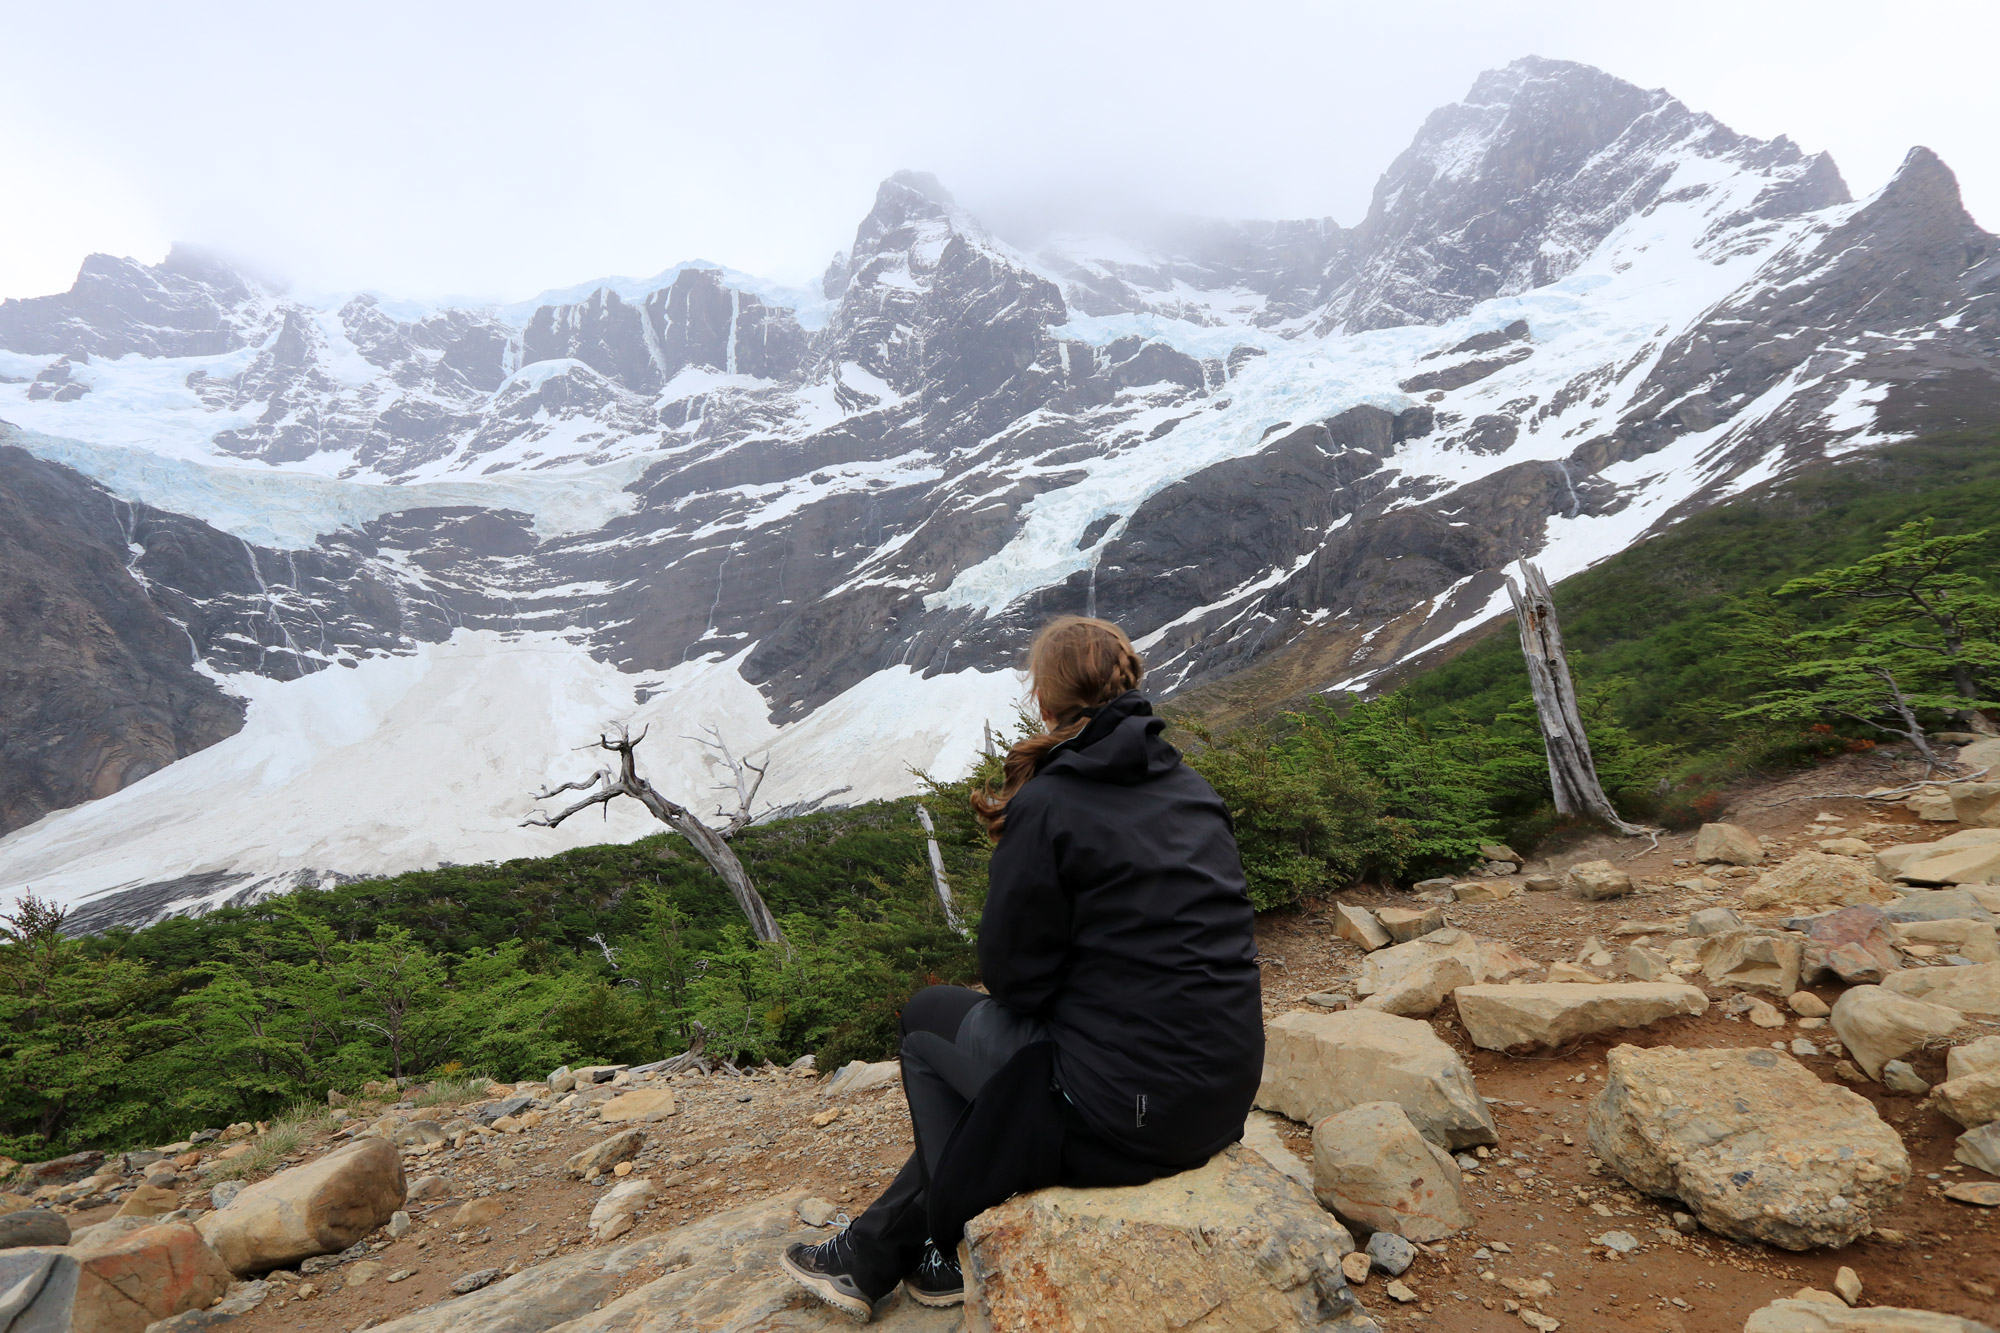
(294, 591)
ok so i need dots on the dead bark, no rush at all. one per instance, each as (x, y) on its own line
(1572, 771)
(604, 786)
(938, 880)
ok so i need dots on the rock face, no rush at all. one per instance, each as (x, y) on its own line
(1501, 1018)
(1597, 880)
(1971, 990)
(1317, 1065)
(1233, 1245)
(39, 1289)
(1751, 1142)
(721, 1276)
(1814, 879)
(320, 1207)
(1371, 1166)
(1727, 844)
(1797, 1316)
(133, 1278)
(1878, 1025)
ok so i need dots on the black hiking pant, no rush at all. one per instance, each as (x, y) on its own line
(980, 1138)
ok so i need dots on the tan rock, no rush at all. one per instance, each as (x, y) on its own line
(1358, 925)
(1406, 923)
(1261, 1136)
(1976, 804)
(1752, 960)
(1892, 861)
(318, 1207)
(1972, 1100)
(135, 1277)
(1764, 1015)
(858, 1076)
(1727, 844)
(1807, 1005)
(642, 1106)
(1878, 1025)
(1797, 1316)
(619, 1207)
(1932, 806)
(478, 1213)
(1597, 881)
(1977, 940)
(1501, 1018)
(1370, 1165)
(1233, 1240)
(1320, 1064)
(1645, 964)
(1814, 879)
(1751, 1142)
(1971, 990)
(1974, 1057)
(1484, 890)
(360, 1273)
(1573, 974)
(149, 1201)
(1420, 990)
(606, 1153)
(1963, 865)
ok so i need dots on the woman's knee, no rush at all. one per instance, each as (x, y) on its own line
(938, 1009)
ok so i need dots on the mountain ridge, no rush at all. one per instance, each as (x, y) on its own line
(1575, 310)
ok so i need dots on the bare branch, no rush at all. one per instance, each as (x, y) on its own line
(610, 954)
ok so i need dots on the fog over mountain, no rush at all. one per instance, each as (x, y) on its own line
(303, 589)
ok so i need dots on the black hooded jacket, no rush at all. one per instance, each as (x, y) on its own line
(1116, 914)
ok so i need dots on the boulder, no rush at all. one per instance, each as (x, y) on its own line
(318, 1207)
(607, 1153)
(862, 1076)
(1877, 1025)
(33, 1226)
(1418, 991)
(1357, 925)
(485, 1115)
(1977, 940)
(1484, 890)
(1974, 1057)
(1727, 844)
(1892, 861)
(1866, 926)
(133, 1278)
(561, 1080)
(642, 1105)
(38, 1290)
(1503, 1018)
(1232, 1245)
(1752, 960)
(1792, 1315)
(1972, 1101)
(1814, 879)
(1976, 804)
(60, 1170)
(1317, 1065)
(1963, 865)
(1751, 1142)
(1646, 964)
(1852, 964)
(1372, 1167)
(1980, 1148)
(1406, 923)
(619, 1207)
(1933, 806)
(1970, 990)
(1939, 905)
(1713, 921)
(1597, 881)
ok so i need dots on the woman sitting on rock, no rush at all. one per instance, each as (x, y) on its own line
(1122, 1035)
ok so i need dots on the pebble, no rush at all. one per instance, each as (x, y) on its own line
(1355, 1267)
(399, 1224)
(1847, 1283)
(1765, 1015)
(1806, 1004)
(1399, 1291)
(1802, 1047)
(1898, 1076)
(400, 1274)
(1623, 1242)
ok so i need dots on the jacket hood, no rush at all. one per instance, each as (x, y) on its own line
(1121, 745)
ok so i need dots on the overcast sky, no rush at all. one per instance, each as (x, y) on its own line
(500, 148)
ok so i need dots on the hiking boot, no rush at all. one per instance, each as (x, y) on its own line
(936, 1281)
(828, 1271)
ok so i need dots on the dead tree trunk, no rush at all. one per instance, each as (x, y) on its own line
(1572, 772)
(938, 880)
(712, 845)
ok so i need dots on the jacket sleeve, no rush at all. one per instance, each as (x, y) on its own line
(1024, 932)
